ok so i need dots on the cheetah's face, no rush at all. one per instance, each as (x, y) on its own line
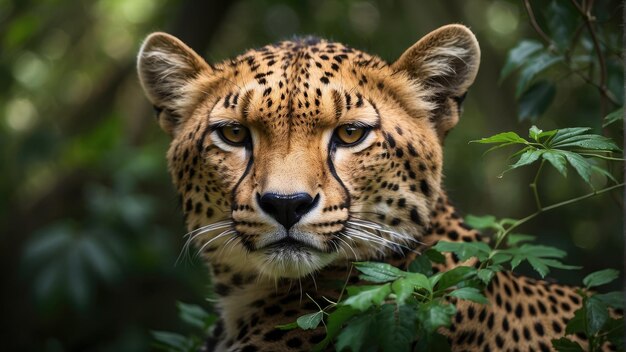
(296, 154)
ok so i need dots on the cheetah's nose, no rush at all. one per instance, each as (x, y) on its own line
(287, 209)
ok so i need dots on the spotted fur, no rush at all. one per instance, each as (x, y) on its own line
(381, 199)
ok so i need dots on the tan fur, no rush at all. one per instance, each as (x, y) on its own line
(381, 199)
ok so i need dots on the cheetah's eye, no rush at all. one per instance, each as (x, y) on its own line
(349, 135)
(236, 135)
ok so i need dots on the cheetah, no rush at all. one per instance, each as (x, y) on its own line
(287, 161)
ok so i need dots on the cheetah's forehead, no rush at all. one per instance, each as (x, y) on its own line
(304, 84)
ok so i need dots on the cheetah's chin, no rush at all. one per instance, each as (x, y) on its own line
(291, 261)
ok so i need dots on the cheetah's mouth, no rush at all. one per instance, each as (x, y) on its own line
(289, 243)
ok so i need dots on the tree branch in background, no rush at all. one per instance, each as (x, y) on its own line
(535, 25)
(588, 18)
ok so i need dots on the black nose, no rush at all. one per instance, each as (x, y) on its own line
(287, 209)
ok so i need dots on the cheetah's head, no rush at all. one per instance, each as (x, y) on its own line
(291, 156)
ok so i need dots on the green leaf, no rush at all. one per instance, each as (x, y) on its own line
(396, 330)
(403, 288)
(587, 142)
(534, 132)
(288, 326)
(310, 321)
(539, 266)
(485, 275)
(378, 272)
(515, 238)
(435, 314)
(172, 341)
(334, 323)
(363, 297)
(454, 276)
(357, 332)
(529, 157)
(482, 222)
(435, 256)
(597, 314)
(194, 315)
(614, 329)
(518, 56)
(557, 160)
(566, 345)
(580, 164)
(565, 133)
(601, 277)
(603, 172)
(420, 281)
(577, 323)
(422, 265)
(533, 67)
(613, 299)
(617, 115)
(535, 101)
(470, 294)
(465, 250)
(504, 137)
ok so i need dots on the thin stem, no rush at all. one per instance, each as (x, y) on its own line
(551, 207)
(601, 156)
(535, 25)
(533, 185)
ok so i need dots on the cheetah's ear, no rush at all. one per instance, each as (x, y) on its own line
(445, 63)
(167, 69)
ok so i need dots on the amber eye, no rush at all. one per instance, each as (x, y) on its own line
(234, 134)
(350, 134)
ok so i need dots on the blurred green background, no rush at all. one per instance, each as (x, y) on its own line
(89, 222)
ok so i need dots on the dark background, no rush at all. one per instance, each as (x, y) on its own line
(90, 229)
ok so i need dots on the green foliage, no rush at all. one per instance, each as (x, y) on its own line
(559, 148)
(593, 318)
(198, 322)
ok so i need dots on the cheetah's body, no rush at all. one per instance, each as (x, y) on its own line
(291, 97)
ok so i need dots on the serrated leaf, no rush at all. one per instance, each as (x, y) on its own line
(378, 272)
(422, 265)
(539, 266)
(454, 276)
(367, 296)
(310, 321)
(504, 137)
(435, 314)
(533, 67)
(518, 56)
(485, 275)
(470, 294)
(613, 299)
(617, 115)
(601, 277)
(535, 101)
(557, 160)
(566, 345)
(515, 238)
(396, 328)
(420, 281)
(597, 315)
(482, 222)
(580, 164)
